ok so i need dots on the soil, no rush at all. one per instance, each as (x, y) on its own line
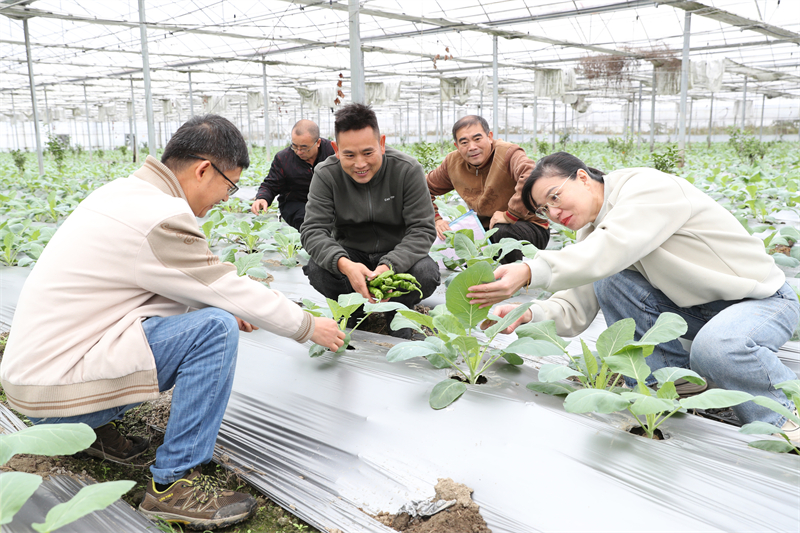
(463, 517)
(269, 279)
(781, 249)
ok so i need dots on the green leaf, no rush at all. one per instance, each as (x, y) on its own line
(444, 353)
(648, 405)
(759, 428)
(715, 399)
(544, 331)
(777, 446)
(420, 318)
(594, 401)
(15, 489)
(89, 499)
(346, 343)
(316, 350)
(507, 320)
(350, 299)
(383, 307)
(464, 247)
(668, 326)
(672, 373)
(779, 408)
(467, 346)
(615, 337)
(791, 387)
(513, 359)
(47, 439)
(409, 350)
(456, 296)
(589, 360)
(449, 324)
(630, 362)
(446, 392)
(553, 389)
(549, 373)
(785, 260)
(529, 346)
(667, 391)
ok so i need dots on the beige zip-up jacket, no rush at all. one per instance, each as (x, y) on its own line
(681, 240)
(132, 249)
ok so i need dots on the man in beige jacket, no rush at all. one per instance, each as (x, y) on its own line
(103, 320)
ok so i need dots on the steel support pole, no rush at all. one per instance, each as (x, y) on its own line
(495, 87)
(356, 55)
(135, 127)
(554, 124)
(639, 126)
(653, 113)
(744, 104)
(522, 137)
(408, 123)
(39, 155)
(760, 127)
(88, 125)
(710, 121)
(419, 116)
(508, 132)
(191, 95)
(148, 94)
(267, 138)
(687, 27)
(47, 118)
(535, 119)
(14, 123)
(441, 121)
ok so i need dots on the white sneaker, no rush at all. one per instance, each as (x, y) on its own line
(792, 430)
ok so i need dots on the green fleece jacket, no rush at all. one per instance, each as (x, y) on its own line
(391, 214)
(682, 241)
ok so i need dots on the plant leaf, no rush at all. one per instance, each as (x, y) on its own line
(716, 399)
(615, 337)
(448, 324)
(529, 346)
(777, 446)
(629, 362)
(553, 389)
(89, 499)
(550, 373)
(672, 374)
(420, 318)
(456, 296)
(15, 489)
(648, 405)
(759, 428)
(668, 326)
(446, 392)
(594, 400)
(409, 350)
(779, 408)
(47, 439)
(667, 391)
(383, 307)
(589, 360)
(464, 247)
(543, 331)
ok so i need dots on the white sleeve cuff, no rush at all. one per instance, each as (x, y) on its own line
(540, 273)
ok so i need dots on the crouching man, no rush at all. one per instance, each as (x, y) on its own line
(103, 322)
(368, 211)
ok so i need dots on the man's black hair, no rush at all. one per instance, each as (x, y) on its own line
(354, 117)
(210, 136)
(470, 120)
(304, 126)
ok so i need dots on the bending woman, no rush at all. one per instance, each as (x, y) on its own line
(649, 242)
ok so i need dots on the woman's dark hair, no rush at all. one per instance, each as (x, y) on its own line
(211, 136)
(559, 164)
(354, 117)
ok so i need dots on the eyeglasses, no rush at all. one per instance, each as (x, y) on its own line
(302, 147)
(233, 188)
(552, 200)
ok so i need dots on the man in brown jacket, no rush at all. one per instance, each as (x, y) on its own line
(488, 175)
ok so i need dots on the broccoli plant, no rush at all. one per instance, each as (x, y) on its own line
(453, 344)
(341, 311)
(792, 391)
(287, 243)
(52, 439)
(470, 251)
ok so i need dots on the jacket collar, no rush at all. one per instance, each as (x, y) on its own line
(157, 174)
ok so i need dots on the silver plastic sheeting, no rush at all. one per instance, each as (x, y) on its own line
(118, 517)
(336, 437)
(11, 281)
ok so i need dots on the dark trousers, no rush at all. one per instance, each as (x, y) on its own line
(330, 285)
(294, 213)
(521, 231)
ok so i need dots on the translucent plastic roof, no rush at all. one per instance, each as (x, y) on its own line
(305, 44)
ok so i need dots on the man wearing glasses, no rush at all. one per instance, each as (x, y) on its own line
(103, 322)
(290, 174)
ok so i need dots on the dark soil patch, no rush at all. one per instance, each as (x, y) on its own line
(269, 279)
(639, 432)
(463, 517)
(482, 380)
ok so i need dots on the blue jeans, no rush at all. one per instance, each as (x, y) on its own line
(195, 352)
(734, 343)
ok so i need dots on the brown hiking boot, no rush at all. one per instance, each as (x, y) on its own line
(112, 446)
(198, 502)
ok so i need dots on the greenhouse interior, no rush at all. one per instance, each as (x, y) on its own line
(702, 95)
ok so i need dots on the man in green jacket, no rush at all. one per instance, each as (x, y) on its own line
(368, 211)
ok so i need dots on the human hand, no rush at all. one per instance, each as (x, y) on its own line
(502, 311)
(499, 217)
(327, 333)
(375, 273)
(357, 274)
(441, 226)
(510, 278)
(258, 206)
(247, 327)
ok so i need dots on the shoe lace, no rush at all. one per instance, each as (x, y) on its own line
(205, 487)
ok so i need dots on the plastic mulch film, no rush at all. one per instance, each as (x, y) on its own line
(118, 517)
(11, 281)
(336, 437)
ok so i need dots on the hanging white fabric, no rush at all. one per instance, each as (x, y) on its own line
(569, 78)
(375, 92)
(737, 110)
(313, 99)
(129, 109)
(217, 105)
(707, 74)
(255, 101)
(548, 82)
(166, 107)
(392, 91)
(668, 79)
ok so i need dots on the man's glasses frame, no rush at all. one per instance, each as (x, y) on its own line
(233, 188)
(303, 147)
